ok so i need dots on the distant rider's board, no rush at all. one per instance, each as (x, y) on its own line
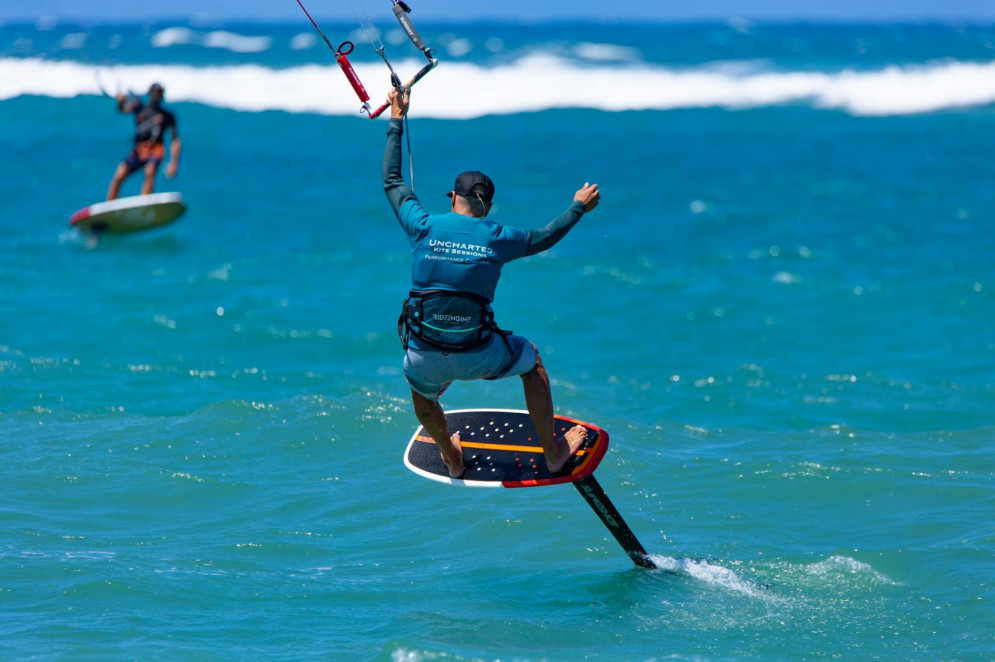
(132, 214)
(501, 449)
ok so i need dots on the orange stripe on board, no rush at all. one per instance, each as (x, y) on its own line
(498, 447)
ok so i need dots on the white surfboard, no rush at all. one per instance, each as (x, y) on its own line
(132, 214)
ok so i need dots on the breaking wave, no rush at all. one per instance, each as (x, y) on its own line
(533, 83)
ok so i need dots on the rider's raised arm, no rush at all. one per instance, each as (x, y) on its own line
(585, 200)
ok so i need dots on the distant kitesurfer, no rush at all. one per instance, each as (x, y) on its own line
(151, 123)
(447, 325)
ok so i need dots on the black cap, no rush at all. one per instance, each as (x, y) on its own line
(156, 87)
(474, 184)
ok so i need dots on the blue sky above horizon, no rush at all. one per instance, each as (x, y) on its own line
(530, 10)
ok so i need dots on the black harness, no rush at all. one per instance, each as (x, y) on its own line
(454, 321)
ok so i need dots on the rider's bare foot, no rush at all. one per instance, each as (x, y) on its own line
(458, 473)
(566, 446)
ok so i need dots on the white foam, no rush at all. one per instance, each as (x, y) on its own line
(172, 37)
(606, 52)
(845, 566)
(709, 573)
(216, 39)
(73, 41)
(533, 83)
(459, 47)
(303, 41)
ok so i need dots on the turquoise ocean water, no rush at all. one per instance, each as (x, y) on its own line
(782, 312)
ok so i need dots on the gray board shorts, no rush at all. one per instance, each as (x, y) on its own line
(430, 371)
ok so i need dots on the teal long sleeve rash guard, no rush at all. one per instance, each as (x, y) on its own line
(455, 252)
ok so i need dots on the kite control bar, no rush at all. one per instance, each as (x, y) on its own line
(401, 11)
(417, 77)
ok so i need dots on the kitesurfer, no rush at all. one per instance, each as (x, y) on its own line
(151, 123)
(447, 325)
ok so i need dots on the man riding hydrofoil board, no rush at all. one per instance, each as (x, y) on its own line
(447, 324)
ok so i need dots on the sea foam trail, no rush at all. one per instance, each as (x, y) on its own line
(533, 83)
